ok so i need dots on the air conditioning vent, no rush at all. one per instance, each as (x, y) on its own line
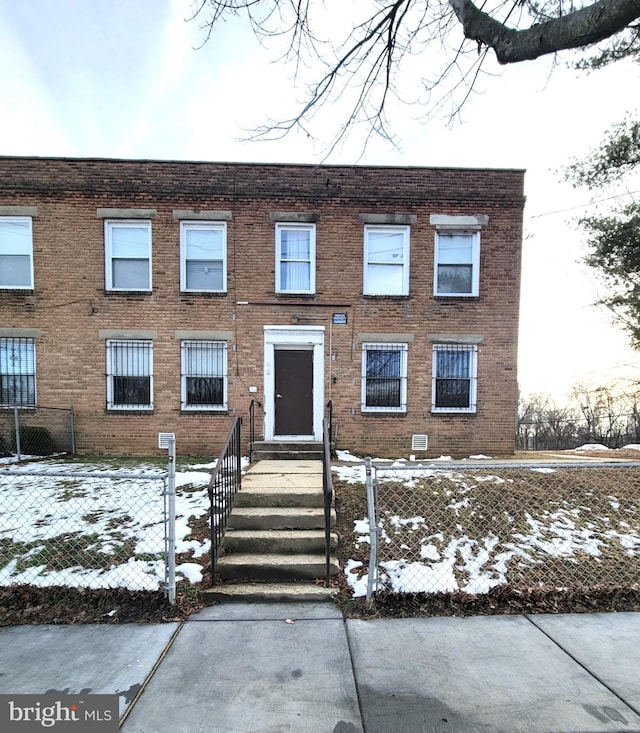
(419, 442)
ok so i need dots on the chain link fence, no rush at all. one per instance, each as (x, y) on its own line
(449, 529)
(79, 529)
(35, 432)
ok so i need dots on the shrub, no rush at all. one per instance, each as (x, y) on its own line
(35, 440)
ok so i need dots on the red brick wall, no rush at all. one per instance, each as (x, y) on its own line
(70, 305)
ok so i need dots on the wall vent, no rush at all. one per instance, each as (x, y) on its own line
(419, 442)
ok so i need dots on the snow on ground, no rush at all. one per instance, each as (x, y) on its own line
(451, 546)
(95, 527)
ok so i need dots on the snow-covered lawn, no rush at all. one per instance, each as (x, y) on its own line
(473, 529)
(87, 529)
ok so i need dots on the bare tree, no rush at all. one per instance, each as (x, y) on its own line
(362, 60)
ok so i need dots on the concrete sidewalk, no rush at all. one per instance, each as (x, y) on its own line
(252, 668)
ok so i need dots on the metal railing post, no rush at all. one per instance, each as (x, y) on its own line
(373, 527)
(16, 421)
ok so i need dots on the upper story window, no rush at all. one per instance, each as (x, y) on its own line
(129, 374)
(457, 270)
(204, 375)
(17, 372)
(454, 380)
(128, 255)
(16, 252)
(386, 260)
(296, 258)
(203, 257)
(384, 377)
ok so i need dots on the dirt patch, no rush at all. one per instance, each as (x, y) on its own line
(25, 604)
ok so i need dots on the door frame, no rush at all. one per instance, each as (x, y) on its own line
(298, 337)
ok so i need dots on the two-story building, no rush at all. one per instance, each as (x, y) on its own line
(166, 296)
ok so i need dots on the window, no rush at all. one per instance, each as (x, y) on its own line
(203, 257)
(16, 252)
(454, 378)
(384, 377)
(129, 375)
(17, 372)
(386, 260)
(204, 375)
(128, 255)
(295, 258)
(457, 271)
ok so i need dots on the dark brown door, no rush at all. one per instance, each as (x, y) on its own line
(294, 392)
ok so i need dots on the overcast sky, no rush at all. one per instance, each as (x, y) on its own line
(121, 78)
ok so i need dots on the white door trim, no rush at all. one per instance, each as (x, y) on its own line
(301, 337)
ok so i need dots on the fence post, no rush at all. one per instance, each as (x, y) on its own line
(171, 545)
(16, 421)
(72, 428)
(373, 528)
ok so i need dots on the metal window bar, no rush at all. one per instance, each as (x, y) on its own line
(17, 372)
(454, 376)
(130, 374)
(225, 482)
(384, 376)
(204, 373)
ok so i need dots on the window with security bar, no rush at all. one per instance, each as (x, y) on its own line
(204, 375)
(203, 257)
(17, 372)
(384, 377)
(454, 386)
(129, 375)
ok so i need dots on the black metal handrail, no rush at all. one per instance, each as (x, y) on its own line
(225, 482)
(252, 426)
(327, 487)
(330, 419)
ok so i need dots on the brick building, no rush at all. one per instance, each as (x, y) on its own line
(165, 296)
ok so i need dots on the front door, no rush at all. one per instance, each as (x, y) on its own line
(293, 391)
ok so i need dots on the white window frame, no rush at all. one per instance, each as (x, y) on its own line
(290, 226)
(111, 348)
(25, 369)
(372, 346)
(185, 346)
(109, 226)
(474, 263)
(369, 289)
(185, 228)
(473, 377)
(17, 250)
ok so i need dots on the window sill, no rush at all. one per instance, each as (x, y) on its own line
(383, 296)
(223, 412)
(305, 296)
(454, 412)
(383, 411)
(17, 291)
(129, 293)
(458, 296)
(129, 411)
(186, 294)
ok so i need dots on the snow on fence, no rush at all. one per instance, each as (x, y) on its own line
(83, 529)
(447, 528)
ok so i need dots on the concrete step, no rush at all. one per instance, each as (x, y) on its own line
(257, 567)
(268, 592)
(286, 450)
(256, 494)
(278, 518)
(286, 541)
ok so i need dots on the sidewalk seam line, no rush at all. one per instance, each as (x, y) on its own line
(586, 669)
(353, 672)
(149, 677)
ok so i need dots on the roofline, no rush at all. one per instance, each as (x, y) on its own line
(72, 159)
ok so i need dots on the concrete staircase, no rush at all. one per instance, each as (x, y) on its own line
(274, 545)
(286, 451)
